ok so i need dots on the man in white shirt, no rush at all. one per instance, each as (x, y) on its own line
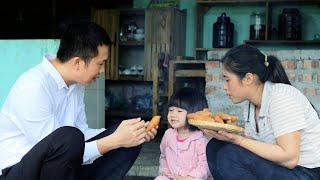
(43, 127)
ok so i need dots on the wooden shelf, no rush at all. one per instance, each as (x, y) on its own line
(302, 42)
(268, 6)
(188, 62)
(217, 2)
(184, 70)
(131, 77)
(212, 49)
(190, 73)
(228, 2)
(131, 43)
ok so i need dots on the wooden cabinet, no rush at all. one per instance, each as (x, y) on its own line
(164, 39)
(165, 32)
(271, 10)
(126, 53)
(109, 20)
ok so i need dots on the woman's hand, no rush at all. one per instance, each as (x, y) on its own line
(224, 136)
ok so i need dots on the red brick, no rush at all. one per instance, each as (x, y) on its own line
(212, 77)
(307, 78)
(212, 64)
(211, 90)
(310, 63)
(289, 64)
(292, 77)
(310, 91)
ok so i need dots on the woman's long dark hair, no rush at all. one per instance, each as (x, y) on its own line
(190, 100)
(244, 59)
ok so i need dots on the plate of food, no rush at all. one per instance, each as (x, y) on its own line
(220, 121)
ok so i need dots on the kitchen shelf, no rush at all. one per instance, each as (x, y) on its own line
(190, 73)
(188, 62)
(203, 6)
(185, 70)
(225, 2)
(131, 77)
(165, 32)
(302, 42)
(211, 49)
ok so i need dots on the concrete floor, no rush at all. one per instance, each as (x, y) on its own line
(147, 163)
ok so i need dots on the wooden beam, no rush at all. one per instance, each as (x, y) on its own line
(190, 73)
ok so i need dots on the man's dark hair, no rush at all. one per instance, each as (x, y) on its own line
(82, 39)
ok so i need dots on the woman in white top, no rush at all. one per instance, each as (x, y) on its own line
(282, 128)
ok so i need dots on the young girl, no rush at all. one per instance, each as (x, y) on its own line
(183, 147)
(282, 128)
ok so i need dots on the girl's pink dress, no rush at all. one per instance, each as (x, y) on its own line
(184, 158)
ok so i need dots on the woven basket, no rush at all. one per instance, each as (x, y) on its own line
(216, 126)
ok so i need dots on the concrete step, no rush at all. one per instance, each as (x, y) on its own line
(147, 163)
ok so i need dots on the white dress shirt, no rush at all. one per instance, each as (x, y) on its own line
(39, 103)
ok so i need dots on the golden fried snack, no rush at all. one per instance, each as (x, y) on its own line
(227, 117)
(206, 115)
(218, 119)
(154, 122)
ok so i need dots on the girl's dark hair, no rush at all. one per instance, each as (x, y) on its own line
(244, 59)
(82, 39)
(190, 100)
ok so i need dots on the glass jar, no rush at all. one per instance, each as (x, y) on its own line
(257, 26)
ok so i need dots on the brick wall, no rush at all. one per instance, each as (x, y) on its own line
(302, 67)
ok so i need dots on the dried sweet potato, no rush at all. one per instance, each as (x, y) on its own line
(206, 115)
(154, 122)
(218, 119)
(227, 117)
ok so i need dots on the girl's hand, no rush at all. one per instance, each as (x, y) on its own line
(182, 178)
(169, 175)
(224, 136)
